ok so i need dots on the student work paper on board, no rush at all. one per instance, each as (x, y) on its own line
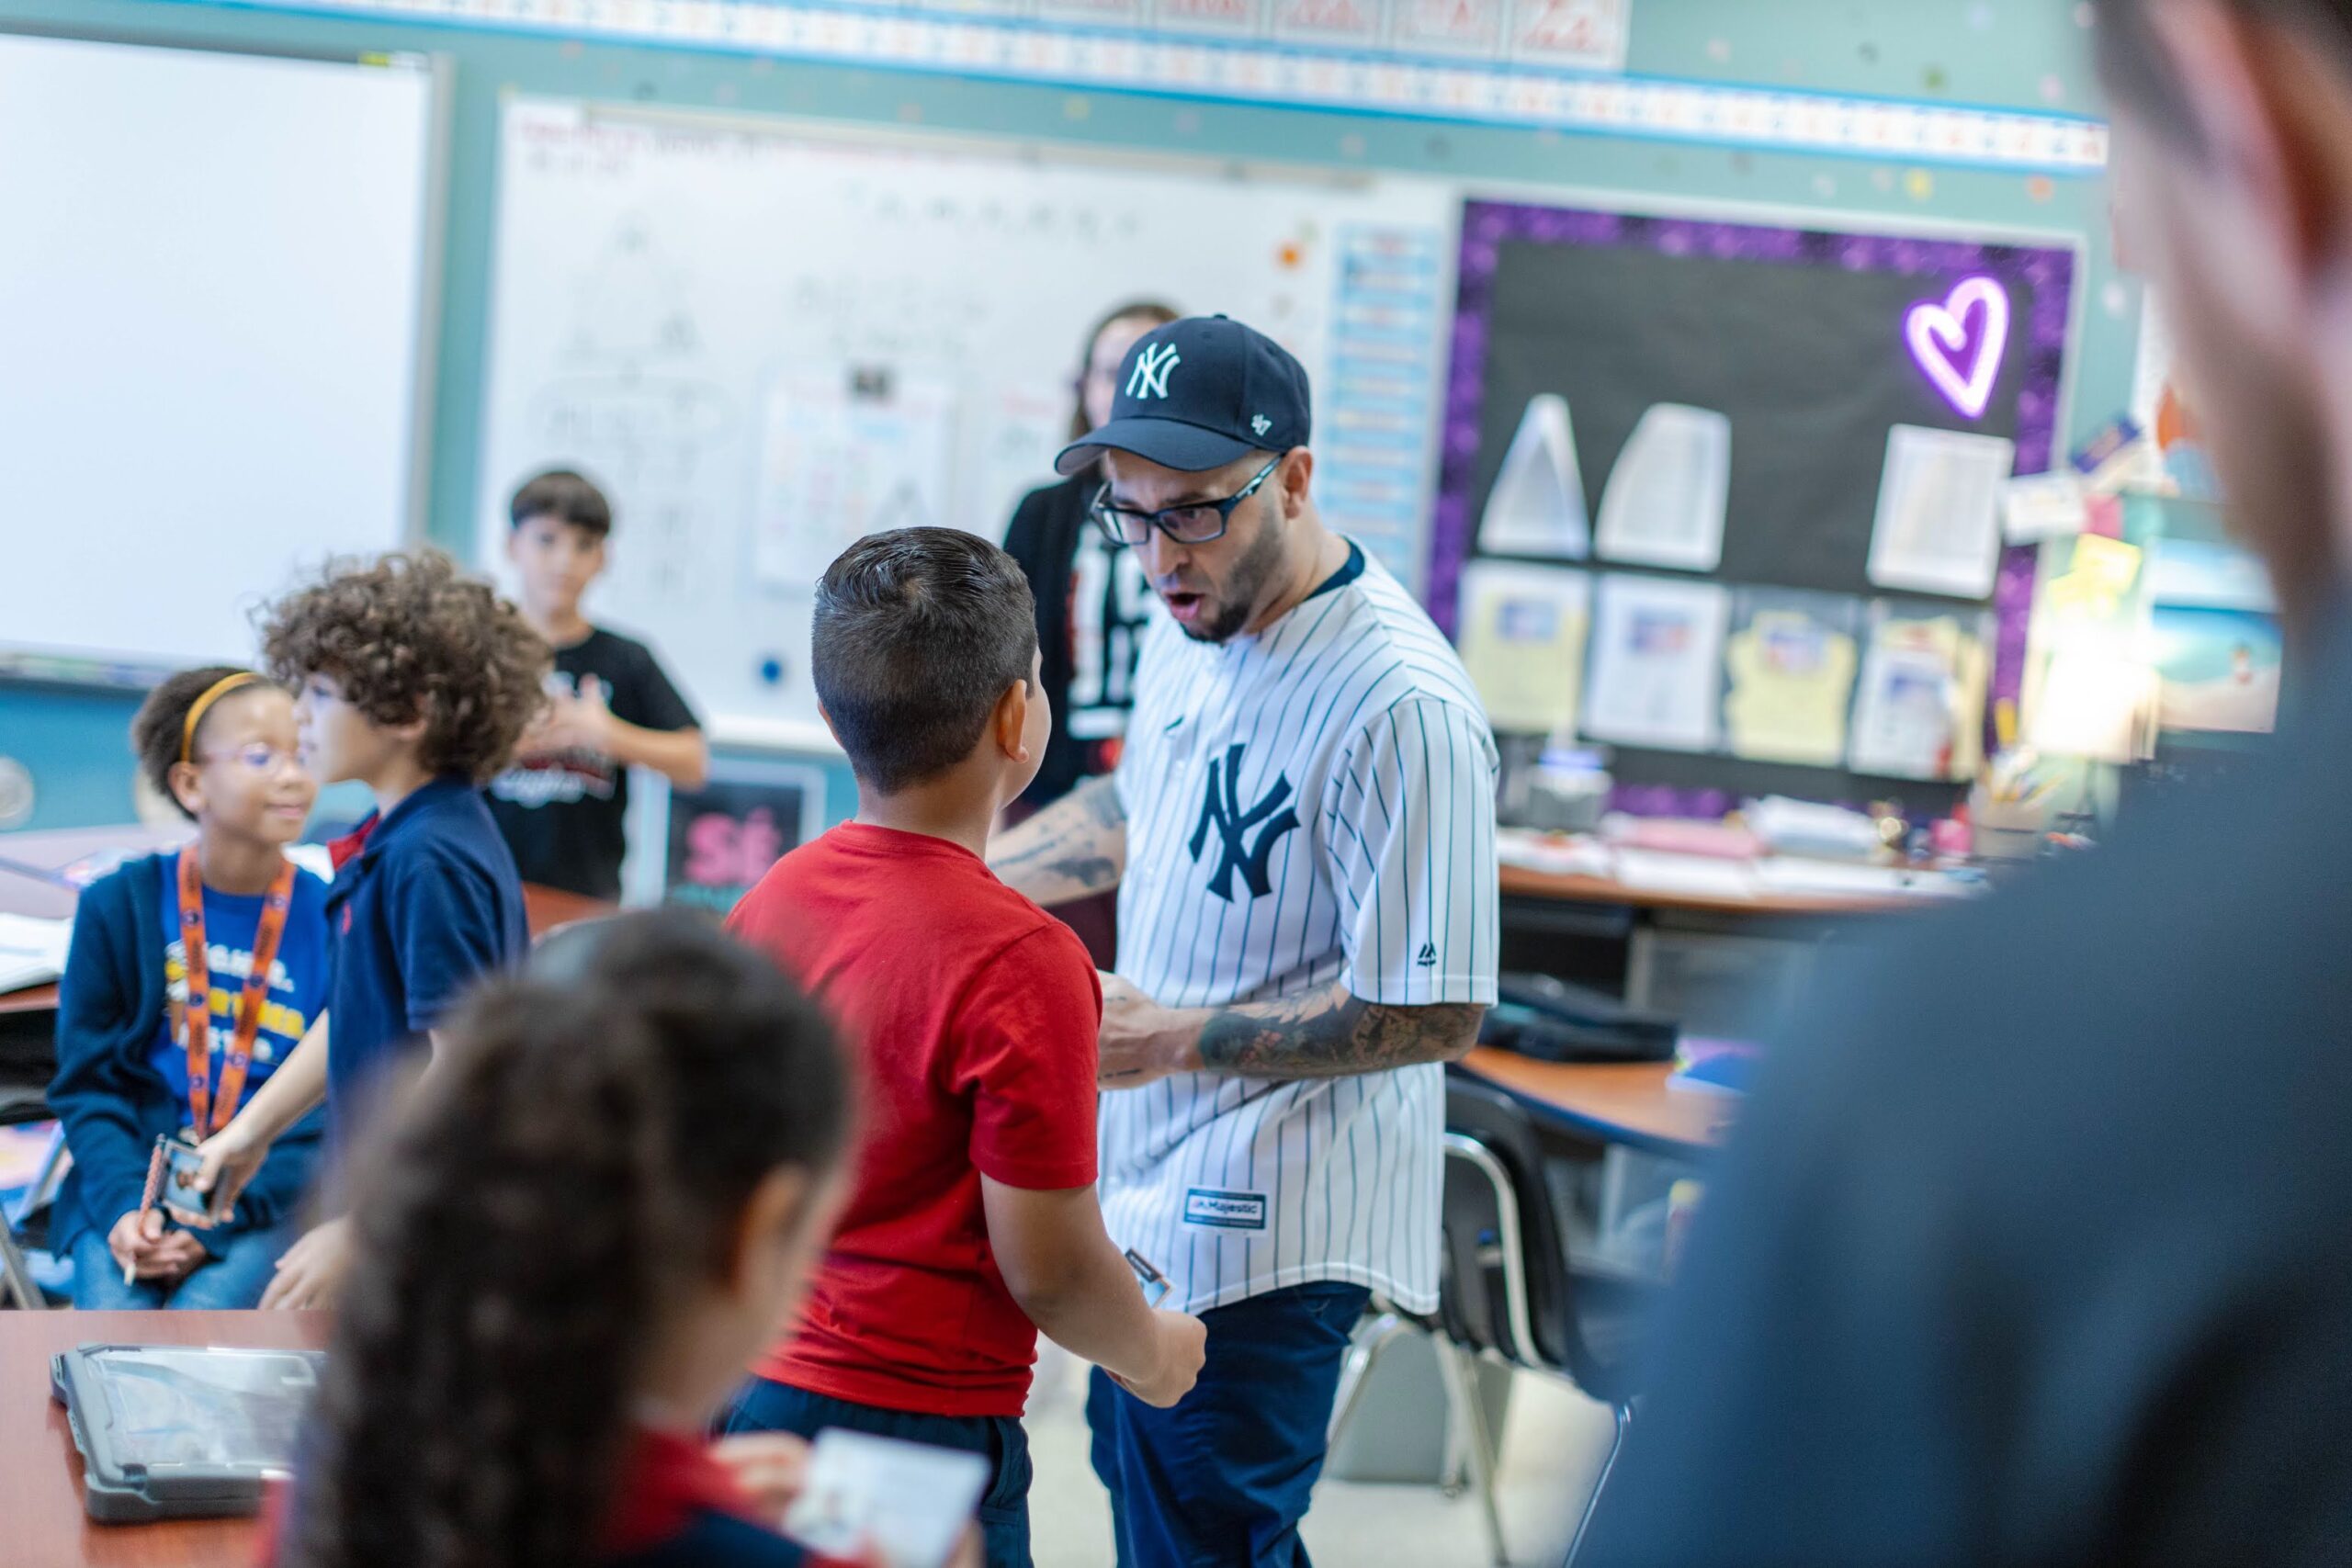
(1537, 505)
(1523, 640)
(1789, 673)
(1920, 711)
(1938, 524)
(1656, 655)
(1664, 500)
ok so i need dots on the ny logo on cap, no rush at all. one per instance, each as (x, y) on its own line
(1150, 378)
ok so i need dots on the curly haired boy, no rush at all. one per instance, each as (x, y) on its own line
(416, 680)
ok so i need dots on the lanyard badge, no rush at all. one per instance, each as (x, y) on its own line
(208, 1113)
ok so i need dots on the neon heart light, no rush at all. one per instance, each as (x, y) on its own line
(1959, 365)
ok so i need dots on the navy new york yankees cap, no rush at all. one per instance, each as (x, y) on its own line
(1198, 394)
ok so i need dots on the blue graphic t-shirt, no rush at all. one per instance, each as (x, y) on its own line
(298, 979)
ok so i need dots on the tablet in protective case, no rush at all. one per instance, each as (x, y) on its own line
(181, 1431)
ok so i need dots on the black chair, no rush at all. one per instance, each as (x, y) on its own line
(25, 1224)
(28, 1060)
(1507, 1293)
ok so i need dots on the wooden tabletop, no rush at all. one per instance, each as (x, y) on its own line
(41, 1521)
(1615, 1103)
(24, 891)
(54, 849)
(1520, 882)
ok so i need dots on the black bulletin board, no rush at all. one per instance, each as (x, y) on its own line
(1796, 336)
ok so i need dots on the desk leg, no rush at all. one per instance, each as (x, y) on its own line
(1614, 1163)
(1641, 963)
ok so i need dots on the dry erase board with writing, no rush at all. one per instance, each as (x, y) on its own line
(768, 337)
(1797, 337)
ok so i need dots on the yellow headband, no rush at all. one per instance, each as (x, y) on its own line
(212, 693)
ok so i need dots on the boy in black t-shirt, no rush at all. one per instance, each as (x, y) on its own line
(563, 805)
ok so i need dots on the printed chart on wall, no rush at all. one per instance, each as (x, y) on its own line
(767, 343)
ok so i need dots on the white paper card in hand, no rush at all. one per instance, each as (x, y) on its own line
(1937, 528)
(1664, 500)
(911, 1502)
(1537, 505)
(1656, 662)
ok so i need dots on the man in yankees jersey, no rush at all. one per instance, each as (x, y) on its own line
(1302, 831)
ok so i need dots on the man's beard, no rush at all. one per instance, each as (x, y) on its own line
(1239, 598)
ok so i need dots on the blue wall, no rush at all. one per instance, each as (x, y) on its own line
(2012, 53)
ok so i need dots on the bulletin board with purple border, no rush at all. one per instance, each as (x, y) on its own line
(1806, 340)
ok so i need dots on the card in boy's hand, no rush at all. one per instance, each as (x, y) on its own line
(911, 1502)
(173, 1182)
(1155, 1283)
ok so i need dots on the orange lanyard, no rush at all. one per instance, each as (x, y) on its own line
(199, 1008)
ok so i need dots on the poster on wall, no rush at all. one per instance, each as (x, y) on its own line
(1789, 675)
(1450, 26)
(1655, 662)
(706, 846)
(1569, 32)
(2219, 668)
(1355, 22)
(1233, 19)
(1522, 642)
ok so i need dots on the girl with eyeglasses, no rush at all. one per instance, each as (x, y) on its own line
(192, 975)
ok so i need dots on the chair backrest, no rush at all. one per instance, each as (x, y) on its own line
(1494, 1188)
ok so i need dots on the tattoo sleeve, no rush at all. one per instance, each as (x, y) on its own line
(1074, 848)
(1332, 1033)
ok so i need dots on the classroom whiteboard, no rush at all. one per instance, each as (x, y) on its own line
(768, 339)
(213, 290)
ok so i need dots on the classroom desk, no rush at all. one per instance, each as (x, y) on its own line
(1519, 882)
(1644, 938)
(41, 1473)
(28, 863)
(1625, 1105)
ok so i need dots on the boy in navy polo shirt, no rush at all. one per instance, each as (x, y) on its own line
(417, 681)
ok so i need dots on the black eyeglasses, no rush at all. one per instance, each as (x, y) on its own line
(1194, 523)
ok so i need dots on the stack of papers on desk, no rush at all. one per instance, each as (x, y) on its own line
(32, 952)
(1839, 879)
(1802, 827)
(1694, 877)
(1554, 855)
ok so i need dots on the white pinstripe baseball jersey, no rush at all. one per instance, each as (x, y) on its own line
(1309, 804)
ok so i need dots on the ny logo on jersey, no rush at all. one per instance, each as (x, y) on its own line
(1222, 809)
(1149, 378)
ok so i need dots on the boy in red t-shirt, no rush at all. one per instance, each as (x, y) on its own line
(972, 1222)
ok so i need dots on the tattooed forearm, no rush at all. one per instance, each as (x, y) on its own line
(1331, 1034)
(1075, 847)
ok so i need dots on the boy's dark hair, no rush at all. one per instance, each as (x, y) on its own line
(159, 727)
(2135, 69)
(409, 635)
(577, 1161)
(565, 496)
(919, 632)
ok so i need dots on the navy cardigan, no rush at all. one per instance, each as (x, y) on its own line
(113, 1101)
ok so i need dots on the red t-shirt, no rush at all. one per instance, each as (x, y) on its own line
(974, 1016)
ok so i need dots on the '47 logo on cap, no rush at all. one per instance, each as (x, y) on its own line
(1149, 378)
